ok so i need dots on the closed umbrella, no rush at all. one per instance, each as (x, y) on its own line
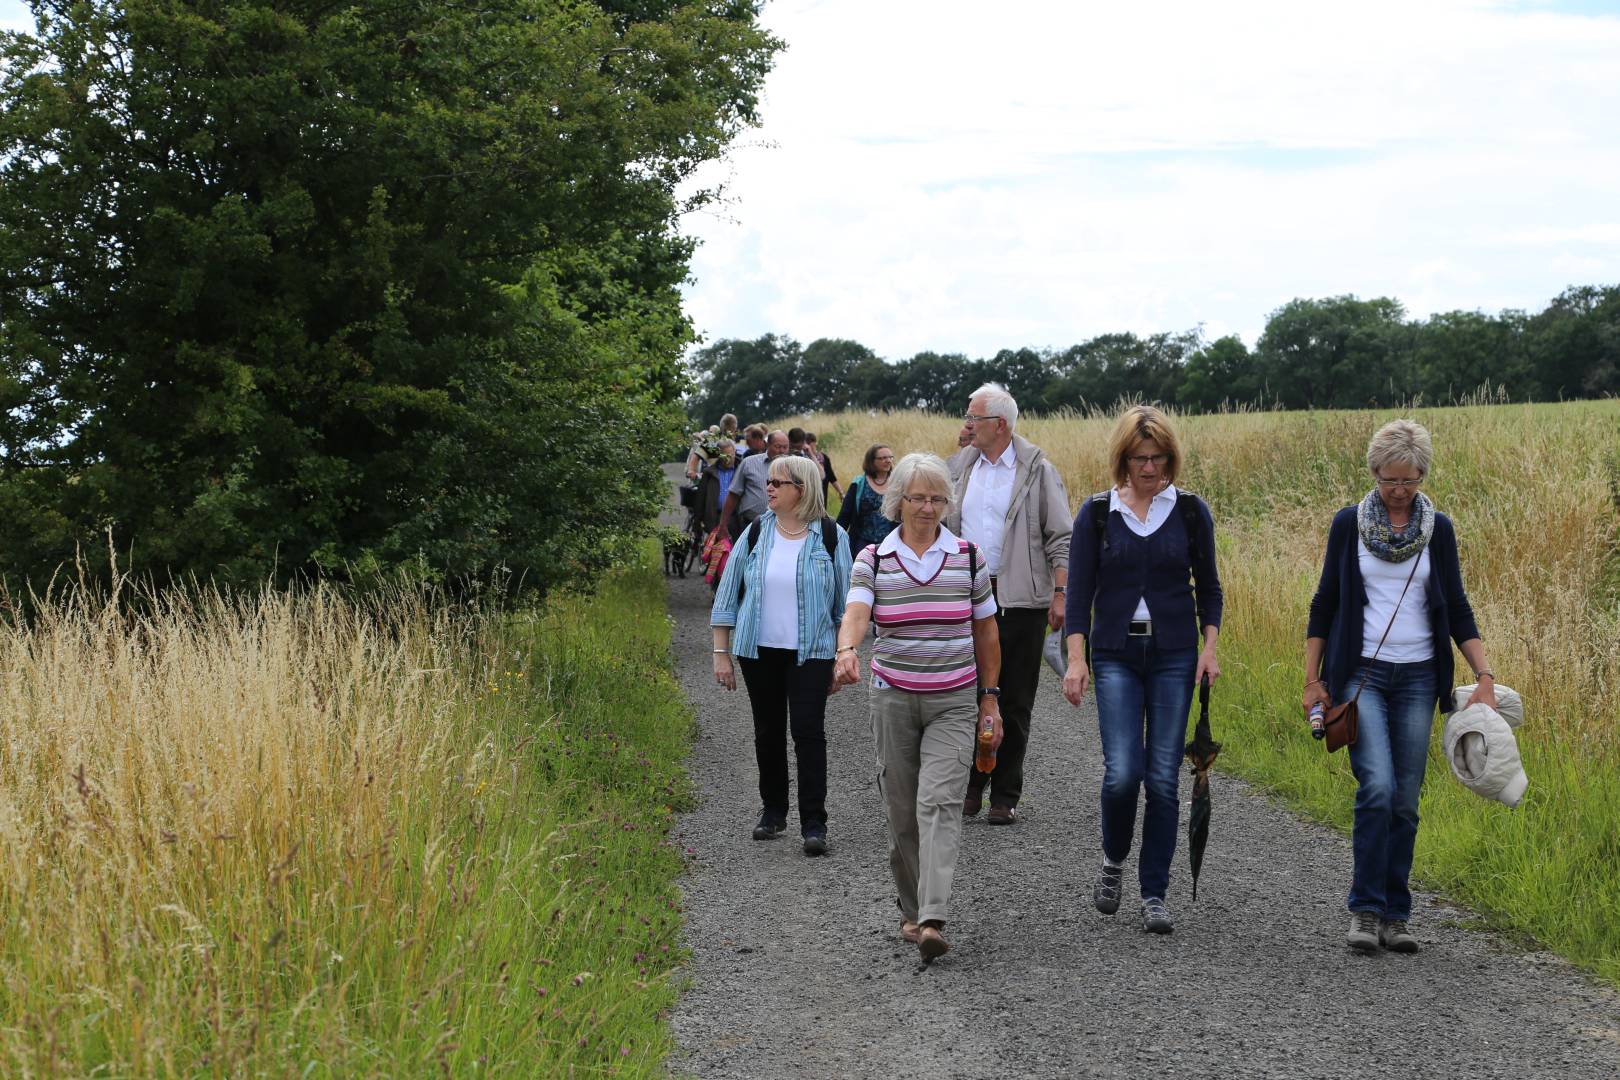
(1201, 752)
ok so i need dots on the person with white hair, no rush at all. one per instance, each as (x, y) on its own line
(1387, 606)
(934, 676)
(777, 610)
(1008, 498)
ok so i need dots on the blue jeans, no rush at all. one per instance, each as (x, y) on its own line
(1396, 711)
(1143, 693)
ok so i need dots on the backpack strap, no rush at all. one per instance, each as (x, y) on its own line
(1099, 519)
(829, 535)
(1191, 520)
(753, 534)
(972, 550)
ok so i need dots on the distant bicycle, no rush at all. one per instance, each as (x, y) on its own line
(681, 552)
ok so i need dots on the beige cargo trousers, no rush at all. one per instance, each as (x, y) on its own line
(925, 753)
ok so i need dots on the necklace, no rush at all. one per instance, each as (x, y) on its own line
(790, 535)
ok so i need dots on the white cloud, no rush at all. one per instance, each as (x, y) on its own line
(932, 177)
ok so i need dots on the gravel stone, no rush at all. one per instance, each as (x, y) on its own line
(798, 969)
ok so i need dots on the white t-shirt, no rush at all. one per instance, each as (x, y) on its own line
(1410, 638)
(779, 606)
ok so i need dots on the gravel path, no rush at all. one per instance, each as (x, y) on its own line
(798, 969)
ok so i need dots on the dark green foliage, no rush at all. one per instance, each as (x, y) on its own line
(1335, 353)
(302, 286)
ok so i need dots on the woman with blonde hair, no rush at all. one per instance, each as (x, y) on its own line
(1388, 605)
(1145, 597)
(777, 610)
(934, 674)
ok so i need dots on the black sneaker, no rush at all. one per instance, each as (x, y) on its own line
(815, 839)
(769, 828)
(1106, 893)
(1155, 916)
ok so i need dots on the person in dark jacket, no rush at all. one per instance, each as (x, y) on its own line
(862, 512)
(1151, 633)
(1389, 603)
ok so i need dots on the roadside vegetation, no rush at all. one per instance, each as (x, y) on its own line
(294, 834)
(1534, 491)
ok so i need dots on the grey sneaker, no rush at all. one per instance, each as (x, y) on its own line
(1396, 937)
(1155, 916)
(1363, 933)
(1106, 893)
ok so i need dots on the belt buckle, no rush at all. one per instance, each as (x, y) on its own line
(1139, 628)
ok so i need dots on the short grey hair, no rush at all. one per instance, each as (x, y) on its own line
(812, 505)
(1401, 442)
(923, 466)
(999, 403)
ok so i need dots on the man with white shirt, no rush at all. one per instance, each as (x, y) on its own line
(1009, 500)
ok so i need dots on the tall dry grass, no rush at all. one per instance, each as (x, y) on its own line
(282, 834)
(1534, 492)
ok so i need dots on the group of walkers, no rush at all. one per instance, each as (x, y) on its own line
(963, 567)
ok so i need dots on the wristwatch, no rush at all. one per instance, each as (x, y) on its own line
(990, 691)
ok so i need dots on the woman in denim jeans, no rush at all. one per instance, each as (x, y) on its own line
(1131, 554)
(1390, 575)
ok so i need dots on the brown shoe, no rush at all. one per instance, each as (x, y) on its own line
(1003, 815)
(931, 943)
(910, 931)
(974, 802)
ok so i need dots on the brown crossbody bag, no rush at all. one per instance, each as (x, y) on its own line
(1340, 724)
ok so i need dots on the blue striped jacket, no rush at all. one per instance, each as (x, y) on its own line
(823, 583)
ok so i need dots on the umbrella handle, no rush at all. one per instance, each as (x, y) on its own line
(1203, 690)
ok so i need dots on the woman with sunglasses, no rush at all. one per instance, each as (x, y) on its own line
(1145, 595)
(1389, 603)
(934, 675)
(777, 610)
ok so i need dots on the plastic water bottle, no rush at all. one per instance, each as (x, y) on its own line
(985, 759)
(1317, 713)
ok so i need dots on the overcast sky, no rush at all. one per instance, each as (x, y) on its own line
(945, 175)
(957, 176)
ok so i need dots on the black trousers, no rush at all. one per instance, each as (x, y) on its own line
(1023, 635)
(786, 695)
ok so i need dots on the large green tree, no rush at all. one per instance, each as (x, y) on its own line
(307, 285)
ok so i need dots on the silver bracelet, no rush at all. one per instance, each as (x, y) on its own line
(718, 651)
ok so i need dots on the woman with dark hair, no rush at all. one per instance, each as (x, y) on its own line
(862, 512)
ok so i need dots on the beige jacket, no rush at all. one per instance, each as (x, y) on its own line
(1036, 541)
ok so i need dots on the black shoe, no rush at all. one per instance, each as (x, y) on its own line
(1109, 885)
(769, 828)
(815, 839)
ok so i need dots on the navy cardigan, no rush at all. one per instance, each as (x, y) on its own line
(1131, 567)
(1339, 606)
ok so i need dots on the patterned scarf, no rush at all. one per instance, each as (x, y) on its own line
(1383, 539)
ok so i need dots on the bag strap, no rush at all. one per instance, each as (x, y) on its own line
(1415, 560)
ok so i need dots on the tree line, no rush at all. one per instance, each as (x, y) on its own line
(1337, 352)
(294, 287)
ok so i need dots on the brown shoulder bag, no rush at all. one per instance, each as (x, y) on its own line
(1339, 723)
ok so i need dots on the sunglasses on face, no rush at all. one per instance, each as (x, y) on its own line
(773, 483)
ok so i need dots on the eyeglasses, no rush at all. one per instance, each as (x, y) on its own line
(1403, 484)
(927, 500)
(1141, 460)
(971, 419)
(773, 483)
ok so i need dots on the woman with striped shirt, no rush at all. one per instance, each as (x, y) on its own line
(777, 610)
(934, 673)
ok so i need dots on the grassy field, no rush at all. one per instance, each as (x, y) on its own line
(292, 836)
(1534, 491)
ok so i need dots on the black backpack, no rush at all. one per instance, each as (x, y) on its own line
(1186, 506)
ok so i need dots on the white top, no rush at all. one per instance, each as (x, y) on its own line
(1159, 511)
(984, 504)
(923, 567)
(1410, 639)
(779, 607)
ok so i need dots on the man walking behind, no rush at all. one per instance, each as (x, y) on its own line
(746, 499)
(1010, 501)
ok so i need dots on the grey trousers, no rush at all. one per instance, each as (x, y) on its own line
(924, 752)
